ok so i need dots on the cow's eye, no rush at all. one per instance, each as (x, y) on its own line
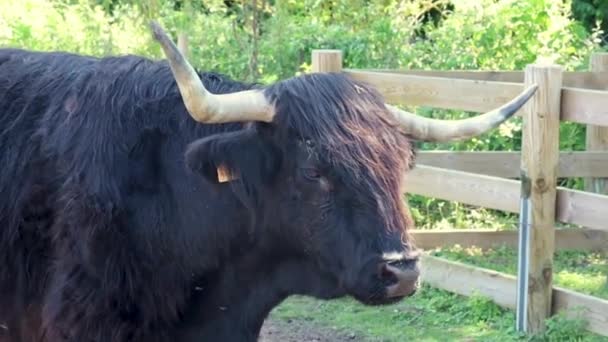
(311, 173)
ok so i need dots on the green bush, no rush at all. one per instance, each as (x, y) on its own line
(592, 14)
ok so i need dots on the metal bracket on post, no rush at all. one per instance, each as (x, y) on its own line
(523, 254)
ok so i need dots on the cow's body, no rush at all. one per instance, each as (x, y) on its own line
(92, 189)
(106, 235)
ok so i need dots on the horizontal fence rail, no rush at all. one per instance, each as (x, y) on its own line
(501, 288)
(480, 190)
(577, 239)
(575, 207)
(578, 105)
(575, 79)
(507, 164)
(585, 106)
(446, 93)
(582, 208)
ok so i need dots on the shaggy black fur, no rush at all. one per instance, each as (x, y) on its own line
(108, 232)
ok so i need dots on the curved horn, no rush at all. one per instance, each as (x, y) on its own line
(426, 129)
(203, 106)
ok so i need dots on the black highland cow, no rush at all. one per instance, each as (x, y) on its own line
(114, 225)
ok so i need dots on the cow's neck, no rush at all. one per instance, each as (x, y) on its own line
(235, 306)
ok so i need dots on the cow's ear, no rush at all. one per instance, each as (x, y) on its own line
(245, 154)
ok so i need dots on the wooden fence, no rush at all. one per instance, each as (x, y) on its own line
(509, 181)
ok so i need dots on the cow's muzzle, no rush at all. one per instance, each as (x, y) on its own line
(401, 276)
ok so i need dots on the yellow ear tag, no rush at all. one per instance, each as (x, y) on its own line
(223, 174)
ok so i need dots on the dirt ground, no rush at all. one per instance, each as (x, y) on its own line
(302, 331)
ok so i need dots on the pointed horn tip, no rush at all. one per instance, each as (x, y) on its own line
(158, 32)
(528, 93)
(532, 89)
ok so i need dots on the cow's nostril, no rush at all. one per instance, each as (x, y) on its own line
(399, 280)
(388, 278)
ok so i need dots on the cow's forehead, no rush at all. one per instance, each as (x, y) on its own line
(347, 121)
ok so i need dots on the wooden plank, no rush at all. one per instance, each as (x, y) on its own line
(582, 208)
(469, 95)
(506, 164)
(575, 207)
(585, 106)
(574, 79)
(576, 239)
(326, 60)
(597, 136)
(572, 206)
(586, 79)
(467, 280)
(540, 155)
(486, 191)
(497, 164)
(501, 288)
(478, 75)
(578, 105)
(594, 310)
(582, 164)
(597, 140)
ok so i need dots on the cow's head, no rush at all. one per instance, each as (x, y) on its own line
(320, 166)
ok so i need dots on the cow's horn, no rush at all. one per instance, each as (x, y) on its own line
(203, 106)
(426, 129)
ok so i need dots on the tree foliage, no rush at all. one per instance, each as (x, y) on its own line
(592, 14)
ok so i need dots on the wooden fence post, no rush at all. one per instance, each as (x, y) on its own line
(326, 60)
(540, 156)
(597, 136)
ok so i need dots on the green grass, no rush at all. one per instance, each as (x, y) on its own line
(430, 315)
(436, 315)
